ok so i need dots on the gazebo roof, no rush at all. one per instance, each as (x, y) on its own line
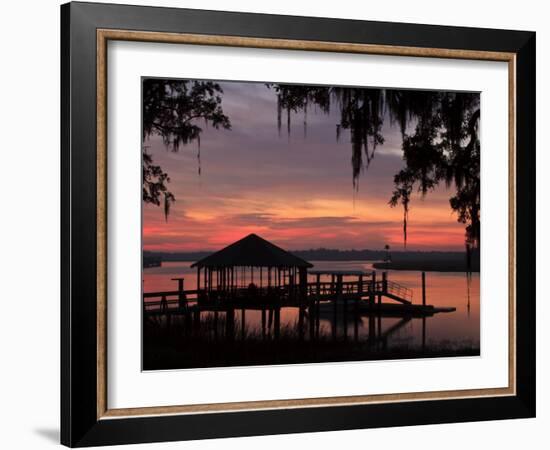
(252, 251)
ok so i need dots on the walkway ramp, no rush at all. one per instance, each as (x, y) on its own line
(394, 291)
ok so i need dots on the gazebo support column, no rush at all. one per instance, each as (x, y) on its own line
(303, 284)
(198, 280)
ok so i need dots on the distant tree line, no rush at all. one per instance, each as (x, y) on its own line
(325, 254)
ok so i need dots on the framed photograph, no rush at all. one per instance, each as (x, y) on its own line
(276, 224)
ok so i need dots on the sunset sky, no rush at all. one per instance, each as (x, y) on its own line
(294, 191)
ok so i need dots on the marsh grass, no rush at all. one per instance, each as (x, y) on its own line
(183, 345)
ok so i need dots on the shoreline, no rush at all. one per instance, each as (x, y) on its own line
(422, 266)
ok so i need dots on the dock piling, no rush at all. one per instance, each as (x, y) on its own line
(372, 289)
(182, 299)
(423, 333)
(277, 322)
(263, 323)
(372, 329)
(243, 321)
(423, 288)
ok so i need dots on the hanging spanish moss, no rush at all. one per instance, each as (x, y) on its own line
(439, 133)
(199, 169)
(168, 200)
(171, 109)
(305, 119)
(279, 114)
(361, 112)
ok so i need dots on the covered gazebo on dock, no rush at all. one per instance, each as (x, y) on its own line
(249, 264)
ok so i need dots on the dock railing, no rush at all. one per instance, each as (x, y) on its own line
(398, 290)
(174, 300)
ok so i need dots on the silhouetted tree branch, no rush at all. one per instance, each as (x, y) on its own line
(443, 144)
(172, 110)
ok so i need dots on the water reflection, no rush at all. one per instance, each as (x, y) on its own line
(346, 335)
(454, 289)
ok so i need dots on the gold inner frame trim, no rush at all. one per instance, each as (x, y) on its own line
(103, 36)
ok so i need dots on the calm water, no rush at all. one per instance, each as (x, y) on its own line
(442, 289)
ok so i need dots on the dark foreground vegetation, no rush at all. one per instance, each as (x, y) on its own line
(175, 347)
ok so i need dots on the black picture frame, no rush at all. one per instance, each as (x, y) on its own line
(80, 425)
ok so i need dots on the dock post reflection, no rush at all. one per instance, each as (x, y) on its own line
(263, 322)
(243, 322)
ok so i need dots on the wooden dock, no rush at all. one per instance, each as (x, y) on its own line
(340, 302)
(363, 296)
(254, 274)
